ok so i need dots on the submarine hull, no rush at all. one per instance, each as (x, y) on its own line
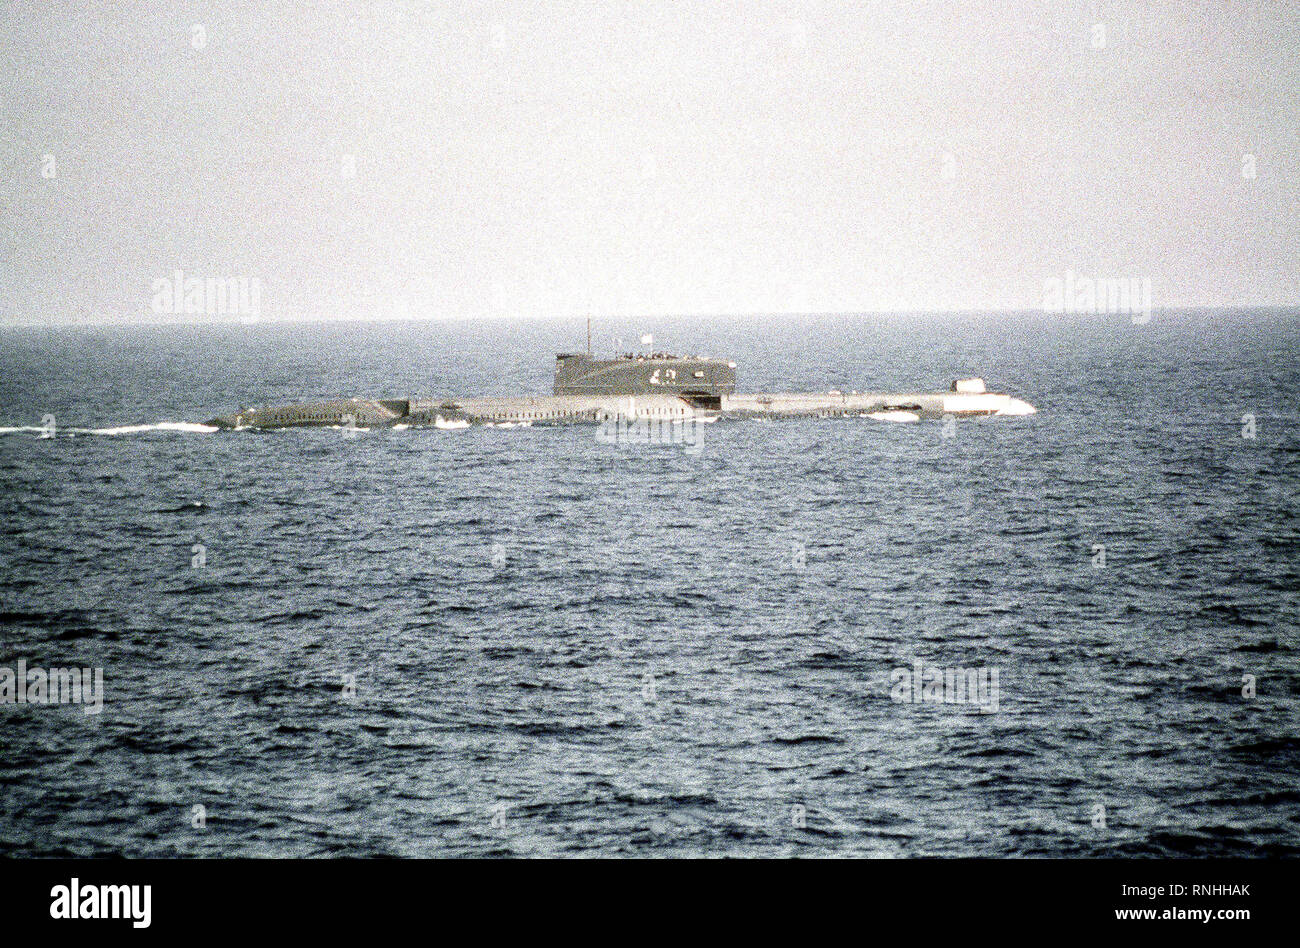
(590, 409)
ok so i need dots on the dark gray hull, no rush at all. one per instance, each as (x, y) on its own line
(590, 409)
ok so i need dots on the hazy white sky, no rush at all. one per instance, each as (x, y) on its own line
(561, 158)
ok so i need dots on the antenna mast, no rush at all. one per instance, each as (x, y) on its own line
(588, 337)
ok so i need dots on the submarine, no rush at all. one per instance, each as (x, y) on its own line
(656, 386)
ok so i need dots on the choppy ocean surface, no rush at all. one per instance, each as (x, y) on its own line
(562, 646)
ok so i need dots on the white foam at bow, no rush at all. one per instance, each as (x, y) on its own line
(186, 426)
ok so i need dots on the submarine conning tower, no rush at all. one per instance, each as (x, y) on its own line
(702, 382)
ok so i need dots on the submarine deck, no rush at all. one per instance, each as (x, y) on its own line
(577, 409)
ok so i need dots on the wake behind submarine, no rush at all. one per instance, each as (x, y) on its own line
(652, 386)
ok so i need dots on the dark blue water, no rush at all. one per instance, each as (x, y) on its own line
(561, 646)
